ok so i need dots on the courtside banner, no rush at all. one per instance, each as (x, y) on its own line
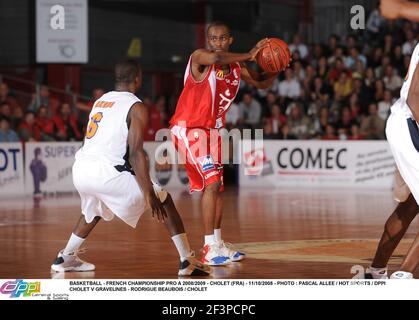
(316, 163)
(49, 167)
(11, 169)
(223, 289)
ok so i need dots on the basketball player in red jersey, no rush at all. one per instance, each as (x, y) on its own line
(211, 83)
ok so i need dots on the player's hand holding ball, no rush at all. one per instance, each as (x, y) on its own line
(274, 56)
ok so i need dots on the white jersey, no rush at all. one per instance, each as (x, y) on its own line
(401, 106)
(107, 132)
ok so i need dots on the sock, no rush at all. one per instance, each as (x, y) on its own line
(73, 244)
(378, 273)
(182, 245)
(209, 239)
(217, 235)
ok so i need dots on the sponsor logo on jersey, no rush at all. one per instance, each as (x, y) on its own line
(206, 163)
(219, 74)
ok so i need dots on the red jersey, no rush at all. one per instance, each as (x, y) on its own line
(203, 104)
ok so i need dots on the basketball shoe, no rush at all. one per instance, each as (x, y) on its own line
(376, 273)
(227, 250)
(70, 262)
(401, 275)
(212, 256)
(190, 266)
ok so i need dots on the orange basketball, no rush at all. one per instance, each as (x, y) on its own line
(275, 57)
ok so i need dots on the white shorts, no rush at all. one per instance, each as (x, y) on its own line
(106, 192)
(405, 155)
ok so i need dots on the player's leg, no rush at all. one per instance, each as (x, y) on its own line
(226, 249)
(189, 266)
(394, 230)
(193, 149)
(67, 259)
(218, 218)
(410, 263)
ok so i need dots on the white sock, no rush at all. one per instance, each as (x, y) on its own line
(209, 239)
(217, 235)
(182, 245)
(73, 244)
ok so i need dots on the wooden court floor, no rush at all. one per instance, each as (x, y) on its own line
(286, 233)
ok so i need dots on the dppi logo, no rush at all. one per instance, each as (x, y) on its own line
(18, 287)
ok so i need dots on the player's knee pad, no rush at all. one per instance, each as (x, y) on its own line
(160, 192)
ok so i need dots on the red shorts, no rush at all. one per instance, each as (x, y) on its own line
(200, 150)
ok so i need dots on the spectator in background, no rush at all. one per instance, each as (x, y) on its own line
(385, 104)
(268, 132)
(380, 70)
(157, 118)
(369, 79)
(410, 43)
(277, 119)
(300, 125)
(342, 87)
(397, 60)
(354, 56)
(346, 121)
(374, 22)
(6, 133)
(391, 79)
(17, 117)
(355, 134)
(66, 125)
(299, 72)
(297, 45)
(45, 99)
(44, 124)
(321, 122)
(321, 91)
(87, 107)
(28, 131)
(379, 90)
(289, 88)
(323, 69)
(232, 116)
(388, 45)
(286, 134)
(336, 71)
(250, 111)
(5, 110)
(377, 56)
(6, 97)
(330, 133)
(332, 44)
(372, 126)
(339, 54)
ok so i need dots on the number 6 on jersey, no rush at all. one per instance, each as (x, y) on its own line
(93, 125)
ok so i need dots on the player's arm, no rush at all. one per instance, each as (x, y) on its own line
(204, 57)
(261, 80)
(413, 95)
(137, 119)
(394, 9)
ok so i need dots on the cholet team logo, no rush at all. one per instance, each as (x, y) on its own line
(20, 288)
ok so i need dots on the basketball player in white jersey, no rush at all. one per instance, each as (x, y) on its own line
(111, 170)
(403, 136)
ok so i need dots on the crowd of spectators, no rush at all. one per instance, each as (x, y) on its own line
(342, 90)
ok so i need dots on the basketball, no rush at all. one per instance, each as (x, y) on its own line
(275, 57)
